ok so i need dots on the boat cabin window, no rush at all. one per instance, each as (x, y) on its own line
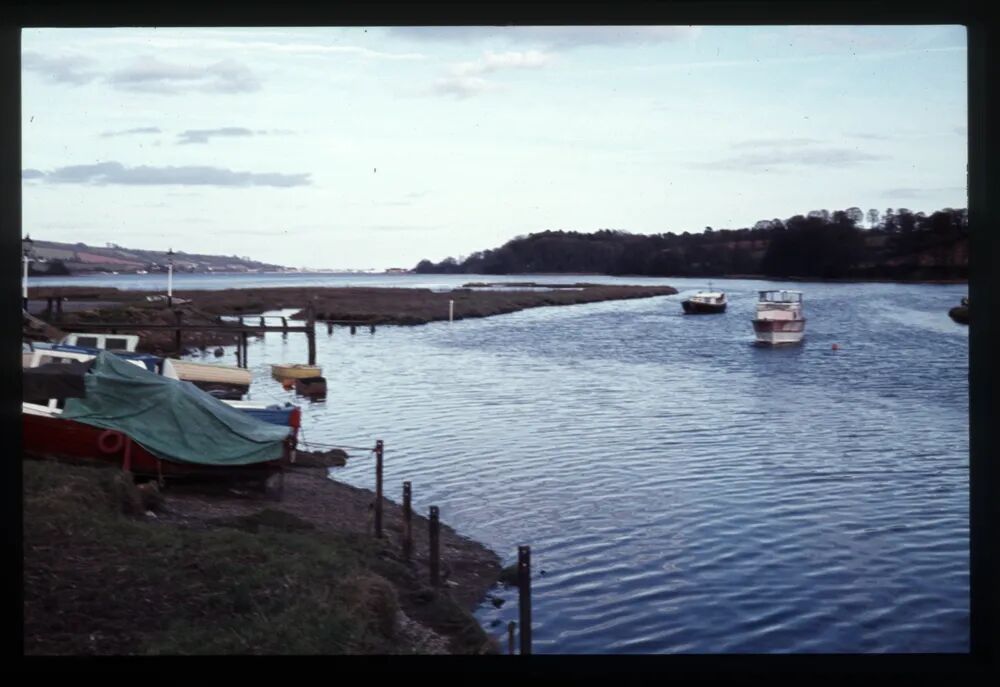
(87, 341)
(114, 344)
(780, 297)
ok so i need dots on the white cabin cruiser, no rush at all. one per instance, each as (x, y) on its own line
(779, 318)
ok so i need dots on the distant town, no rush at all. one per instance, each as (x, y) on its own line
(52, 259)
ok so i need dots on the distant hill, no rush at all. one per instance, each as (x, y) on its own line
(51, 258)
(901, 246)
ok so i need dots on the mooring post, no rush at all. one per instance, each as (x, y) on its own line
(262, 325)
(284, 327)
(511, 626)
(239, 359)
(524, 596)
(177, 337)
(434, 526)
(48, 309)
(329, 327)
(59, 312)
(407, 520)
(243, 340)
(311, 331)
(354, 329)
(378, 489)
(451, 311)
(373, 329)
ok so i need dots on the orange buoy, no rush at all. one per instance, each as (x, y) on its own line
(287, 384)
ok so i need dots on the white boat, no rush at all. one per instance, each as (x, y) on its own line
(109, 342)
(779, 319)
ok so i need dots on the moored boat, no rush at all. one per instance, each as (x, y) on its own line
(224, 381)
(295, 371)
(779, 319)
(705, 303)
(960, 313)
(108, 410)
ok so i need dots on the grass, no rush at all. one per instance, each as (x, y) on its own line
(99, 580)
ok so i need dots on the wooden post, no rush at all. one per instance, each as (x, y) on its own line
(511, 626)
(262, 321)
(284, 327)
(451, 310)
(177, 338)
(434, 531)
(329, 327)
(378, 489)
(311, 332)
(354, 329)
(524, 596)
(407, 521)
(243, 340)
(373, 329)
(59, 312)
(48, 309)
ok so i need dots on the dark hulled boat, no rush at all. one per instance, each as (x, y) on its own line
(705, 303)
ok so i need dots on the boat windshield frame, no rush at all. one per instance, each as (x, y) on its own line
(780, 296)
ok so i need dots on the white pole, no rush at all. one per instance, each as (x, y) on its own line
(24, 283)
(451, 310)
(170, 280)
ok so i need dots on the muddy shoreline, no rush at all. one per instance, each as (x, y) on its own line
(113, 568)
(369, 305)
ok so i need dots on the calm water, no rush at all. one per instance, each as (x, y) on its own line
(682, 490)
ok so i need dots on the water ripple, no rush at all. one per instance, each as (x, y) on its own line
(683, 490)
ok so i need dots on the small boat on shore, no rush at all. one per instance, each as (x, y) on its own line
(705, 303)
(108, 410)
(779, 319)
(295, 371)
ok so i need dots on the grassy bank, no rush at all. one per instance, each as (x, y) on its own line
(103, 577)
(376, 305)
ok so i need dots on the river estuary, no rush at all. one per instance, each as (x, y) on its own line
(682, 490)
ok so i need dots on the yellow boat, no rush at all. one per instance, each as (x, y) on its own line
(191, 371)
(289, 371)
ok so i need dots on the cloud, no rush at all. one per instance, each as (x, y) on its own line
(31, 174)
(870, 136)
(772, 142)
(491, 62)
(920, 192)
(231, 42)
(108, 173)
(63, 69)
(202, 135)
(823, 157)
(395, 227)
(126, 132)
(465, 79)
(462, 86)
(554, 37)
(151, 75)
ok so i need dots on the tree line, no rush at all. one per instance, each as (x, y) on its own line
(896, 244)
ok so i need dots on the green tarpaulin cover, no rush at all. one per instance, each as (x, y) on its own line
(172, 419)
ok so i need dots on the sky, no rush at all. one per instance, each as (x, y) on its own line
(371, 148)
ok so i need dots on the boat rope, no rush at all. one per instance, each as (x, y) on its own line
(327, 447)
